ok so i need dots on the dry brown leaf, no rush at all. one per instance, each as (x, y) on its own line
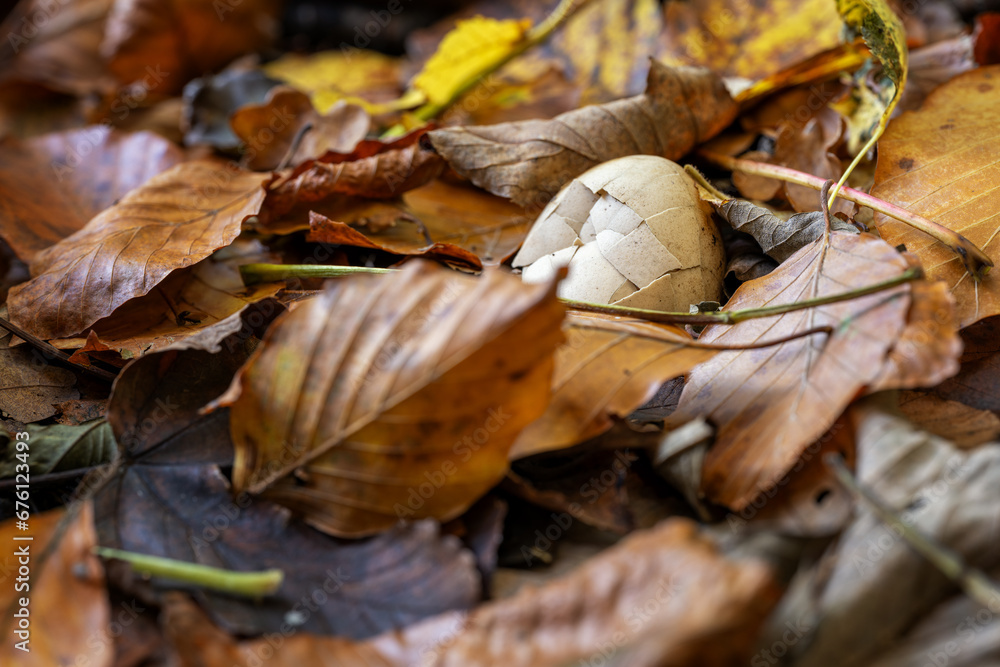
(742, 39)
(384, 175)
(662, 598)
(770, 404)
(324, 230)
(965, 426)
(30, 385)
(51, 186)
(871, 577)
(172, 221)
(529, 161)
(182, 39)
(607, 368)
(400, 395)
(977, 383)
(268, 130)
(62, 567)
(942, 163)
(185, 304)
(56, 45)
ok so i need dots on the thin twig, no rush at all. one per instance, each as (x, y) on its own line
(293, 149)
(55, 352)
(975, 260)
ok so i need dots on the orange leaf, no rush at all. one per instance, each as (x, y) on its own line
(396, 396)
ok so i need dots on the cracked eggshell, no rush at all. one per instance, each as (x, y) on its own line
(632, 232)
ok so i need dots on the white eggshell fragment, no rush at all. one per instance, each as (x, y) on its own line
(632, 232)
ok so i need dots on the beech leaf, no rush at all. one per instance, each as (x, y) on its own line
(173, 220)
(386, 382)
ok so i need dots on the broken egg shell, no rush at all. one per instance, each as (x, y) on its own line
(633, 232)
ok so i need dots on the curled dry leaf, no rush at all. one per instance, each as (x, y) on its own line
(871, 577)
(182, 38)
(61, 565)
(172, 221)
(529, 161)
(390, 384)
(268, 130)
(779, 239)
(382, 176)
(51, 186)
(941, 162)
(662, 598)
(607, 368)
(324, 230)
(770, 404)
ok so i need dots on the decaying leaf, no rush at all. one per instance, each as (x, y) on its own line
(941, 162)
(769, 404)
(529, 161)
(58, 447)
(324, 230)
(61, 564)
(977, 383)
(607, 368)
(174, 220)
(30, 385)
(662, 598)
(267, 130)
(779, 239)
(51, 186)
(382, 372)
(965, 426)
(871, 578)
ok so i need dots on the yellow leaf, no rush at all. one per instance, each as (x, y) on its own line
(475, 46)
(357, 76)
(883, 33)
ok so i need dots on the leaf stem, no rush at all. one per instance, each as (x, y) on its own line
(248, 584)
(975, 260)
(975, 583)
(253, 274)
(736, 316)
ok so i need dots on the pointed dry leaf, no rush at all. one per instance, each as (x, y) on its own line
(172, 221)
(529, 161)
(942, 163)
(51, 186)
(420, 379)
(662, 598)
(607, 368)
(769, 404)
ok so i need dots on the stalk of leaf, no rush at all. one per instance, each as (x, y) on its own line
(973, 581)
(975, 260)
(248, 584)
(258, 273)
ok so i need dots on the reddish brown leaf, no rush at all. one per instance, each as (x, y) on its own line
(324, 230)
(389, 382)
(529, 161)
(51, 186)
(174, 220)
(769, 404)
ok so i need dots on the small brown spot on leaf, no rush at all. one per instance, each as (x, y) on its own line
(906, 163)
